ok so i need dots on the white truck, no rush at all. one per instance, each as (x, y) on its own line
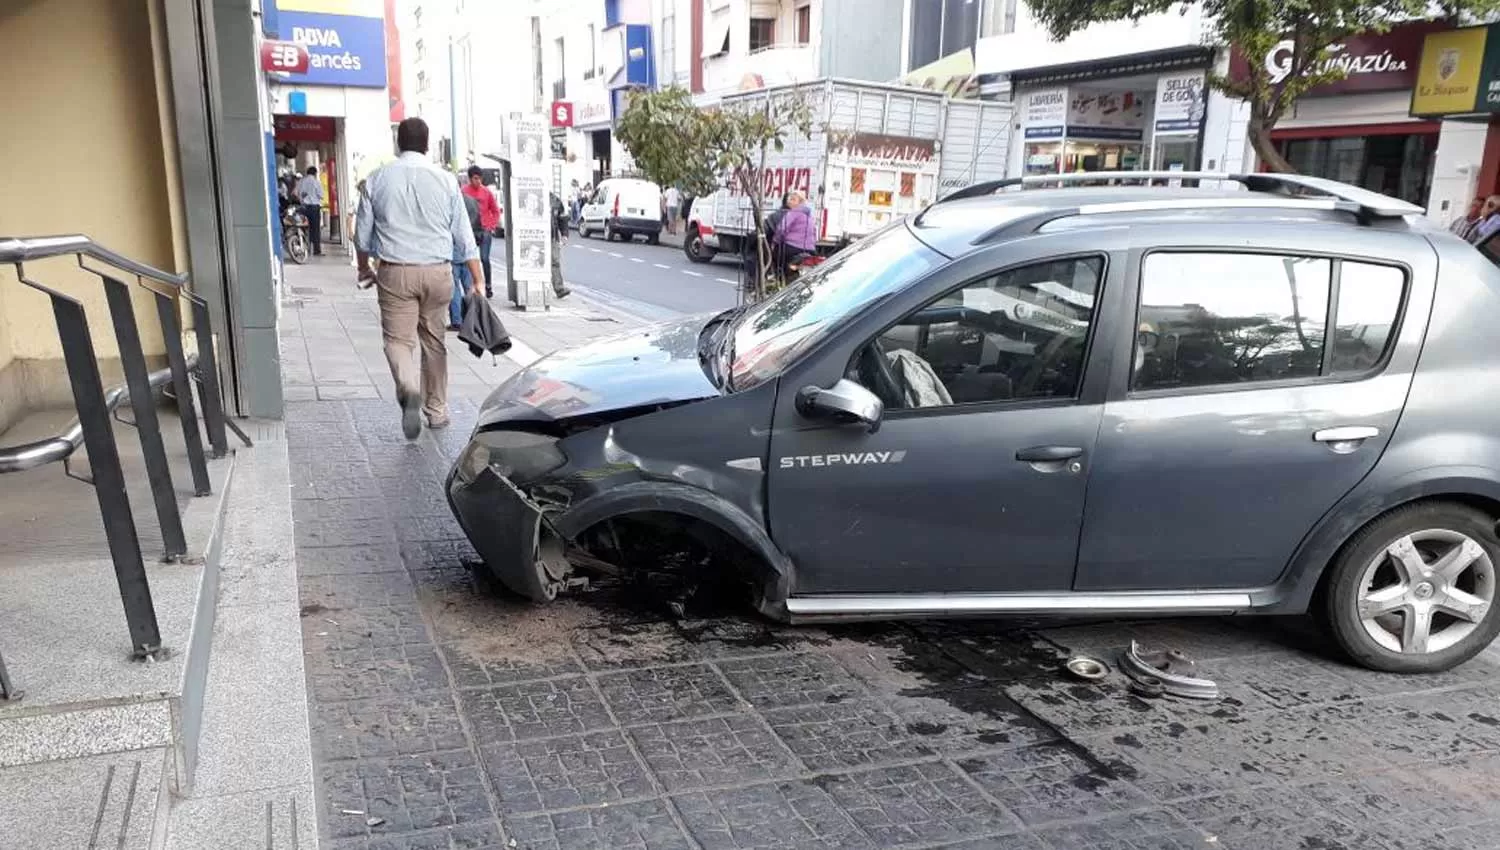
(877, 152)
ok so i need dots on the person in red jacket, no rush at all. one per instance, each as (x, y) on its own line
(489, 220)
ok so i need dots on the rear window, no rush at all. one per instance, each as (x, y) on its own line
(1210, 319)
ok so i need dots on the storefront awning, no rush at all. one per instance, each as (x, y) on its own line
(1118, 66)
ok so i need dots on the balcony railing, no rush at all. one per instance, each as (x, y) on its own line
(92, 429)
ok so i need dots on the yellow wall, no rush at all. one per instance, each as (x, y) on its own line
(82, 151)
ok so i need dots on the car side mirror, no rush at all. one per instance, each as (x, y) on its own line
(845, 401)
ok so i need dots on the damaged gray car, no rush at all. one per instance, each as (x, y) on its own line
(1274, 396)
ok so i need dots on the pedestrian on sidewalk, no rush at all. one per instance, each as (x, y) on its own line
(310, 196)
(489, 219)
(559, 238)
(413, 222)
(1464, 225)
(1489, 220)
(462, 280)
(673, 199)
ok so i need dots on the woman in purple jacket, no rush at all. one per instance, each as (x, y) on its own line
(794, 233)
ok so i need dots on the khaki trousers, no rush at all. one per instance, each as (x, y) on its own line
(414, 308)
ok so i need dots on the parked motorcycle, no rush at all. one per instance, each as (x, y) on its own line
(294, 235)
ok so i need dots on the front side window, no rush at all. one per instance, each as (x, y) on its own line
(1219, 319)
(1014, 336)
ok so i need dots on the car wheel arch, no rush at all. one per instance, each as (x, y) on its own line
(774, 582)
(1303, 580)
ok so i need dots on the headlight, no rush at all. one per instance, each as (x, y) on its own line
(518, 455)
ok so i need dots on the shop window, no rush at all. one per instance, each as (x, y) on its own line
(1399, 165)
(762, 33)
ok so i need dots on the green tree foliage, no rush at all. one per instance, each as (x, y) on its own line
(702, 150)
(1255, 27)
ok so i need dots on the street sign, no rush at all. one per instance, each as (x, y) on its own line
(284, 57)
(562, 113)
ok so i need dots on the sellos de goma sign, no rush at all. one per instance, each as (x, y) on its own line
(1370, 62)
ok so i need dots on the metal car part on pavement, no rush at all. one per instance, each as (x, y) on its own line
(1170, 669)
(1086, 668)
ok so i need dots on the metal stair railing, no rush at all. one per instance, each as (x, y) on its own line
(92, 428)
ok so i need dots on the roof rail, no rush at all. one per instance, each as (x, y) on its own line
(1363, 203)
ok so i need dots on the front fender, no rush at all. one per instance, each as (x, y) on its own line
(1293, 593)
(657, 496)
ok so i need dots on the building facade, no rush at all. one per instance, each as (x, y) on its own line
(1132, 96)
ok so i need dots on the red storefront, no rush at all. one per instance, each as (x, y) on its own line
(1359, 130)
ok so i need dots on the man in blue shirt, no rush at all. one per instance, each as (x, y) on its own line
(412, 221)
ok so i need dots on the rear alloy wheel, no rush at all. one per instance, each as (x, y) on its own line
(1414, 592)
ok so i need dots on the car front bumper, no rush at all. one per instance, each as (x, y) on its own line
(507, 533)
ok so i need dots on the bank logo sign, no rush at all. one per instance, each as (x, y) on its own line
(345, 40)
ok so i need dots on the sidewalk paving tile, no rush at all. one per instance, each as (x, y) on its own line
(449, 714)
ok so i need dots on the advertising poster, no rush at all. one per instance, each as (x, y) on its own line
(531, 201)
(1180, 102)
(1107, 114)
(531, 233)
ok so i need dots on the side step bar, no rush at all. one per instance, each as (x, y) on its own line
(939, 604)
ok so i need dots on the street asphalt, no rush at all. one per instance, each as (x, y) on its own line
(650, 281)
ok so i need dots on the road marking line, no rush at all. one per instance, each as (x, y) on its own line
(637, 260)
(723, 280)
(522, 354)
(694, 274)
(595, 250)
(661, 265)
(615, 254)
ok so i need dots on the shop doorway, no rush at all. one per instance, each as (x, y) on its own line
(304, 141)
(599, 150)
(1175, 153)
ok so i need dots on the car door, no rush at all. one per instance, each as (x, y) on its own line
(1236, 420)
(594, 210)
(974, 480)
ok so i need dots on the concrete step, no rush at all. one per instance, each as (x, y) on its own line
(87, 707)
(114, 801)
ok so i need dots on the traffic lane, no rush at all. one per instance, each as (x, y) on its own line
(655, 282)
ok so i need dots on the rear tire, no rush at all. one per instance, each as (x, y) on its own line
(1415, 590)
(653, 239)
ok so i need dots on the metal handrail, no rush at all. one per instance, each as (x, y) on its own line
(41, 452)
(16, 250)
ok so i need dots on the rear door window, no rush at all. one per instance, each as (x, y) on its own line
(1209, 319)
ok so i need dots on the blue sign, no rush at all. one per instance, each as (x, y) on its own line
(345, 50)
(296, 103)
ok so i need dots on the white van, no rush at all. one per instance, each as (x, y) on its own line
(621, 208)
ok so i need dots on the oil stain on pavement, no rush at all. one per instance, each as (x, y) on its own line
(447, 714)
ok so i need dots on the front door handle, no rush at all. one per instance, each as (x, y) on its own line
(1048, 454)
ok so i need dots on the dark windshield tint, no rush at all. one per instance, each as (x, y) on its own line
(771, 334)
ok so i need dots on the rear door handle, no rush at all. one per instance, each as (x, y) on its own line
(1346, 434)
(1048, 454)
(1345, 439)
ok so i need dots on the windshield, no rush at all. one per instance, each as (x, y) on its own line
(772, 333)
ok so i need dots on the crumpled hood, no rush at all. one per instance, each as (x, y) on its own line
(657, 364)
